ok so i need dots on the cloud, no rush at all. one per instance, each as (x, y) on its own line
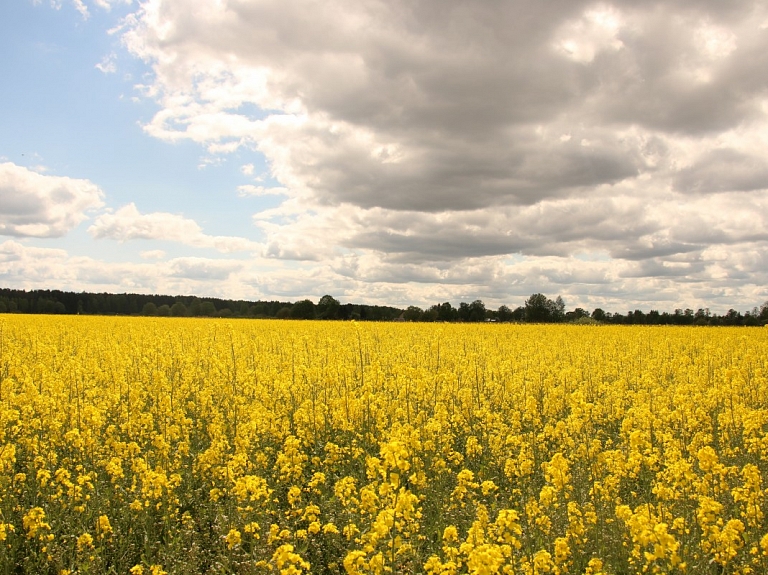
(82, 8)
(724, 170)
(443, 141)
(616, 222)
(107, 4)
(453, 106)
(251, 190)
(27, 267)
(586, 280)
(152, 254)
(128, 223)
(38, 205)
(203, 269)
(597, 30)
(108, 64)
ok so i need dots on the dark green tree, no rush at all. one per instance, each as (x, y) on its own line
(598, 315)
(576, 314)
(303, 309)
(558, 309)
(446, 312)
(763, 311)
(430, 314)
(149, 309)
(328, 307)
(538, 308)
(178, 309)
(195, 308)
(477, 311)
(413, 313)
(504, 313)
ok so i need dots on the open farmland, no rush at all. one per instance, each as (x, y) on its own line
(133, 445)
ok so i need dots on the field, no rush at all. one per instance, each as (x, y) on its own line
(151, 446)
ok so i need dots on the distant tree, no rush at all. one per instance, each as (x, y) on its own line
(164, 310)
(579, 313)
(733, 317)
(208, 308)
(258, 310)
(283, 312)
(446, 312)
(328, 307)
(195, 308)
(504, 313)
(701, 317)
(178, 309)
(598, 315)
(45, 305)
(558, 309)
(463, 311)
(636, 317)
(413, 313)
(304, 309)
(149, 309)
(477, 311)
(430, 314)
(752, 318)
(538, 308)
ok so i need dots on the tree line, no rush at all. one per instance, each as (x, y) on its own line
(61, 302)
(538, 308)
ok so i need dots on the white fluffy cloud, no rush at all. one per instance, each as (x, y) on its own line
(37, 205)
(29, 267)
(128, 223)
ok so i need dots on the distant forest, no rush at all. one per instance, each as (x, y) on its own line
(537, 309)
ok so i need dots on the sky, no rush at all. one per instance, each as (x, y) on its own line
(392, 152)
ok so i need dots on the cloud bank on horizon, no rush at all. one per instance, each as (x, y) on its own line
(614, 153)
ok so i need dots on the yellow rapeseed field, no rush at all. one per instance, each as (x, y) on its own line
(152, 446)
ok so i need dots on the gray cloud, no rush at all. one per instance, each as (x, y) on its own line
(724, 170)
(413, 140)
(454, 105)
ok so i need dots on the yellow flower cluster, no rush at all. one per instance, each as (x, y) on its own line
(175, 446)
